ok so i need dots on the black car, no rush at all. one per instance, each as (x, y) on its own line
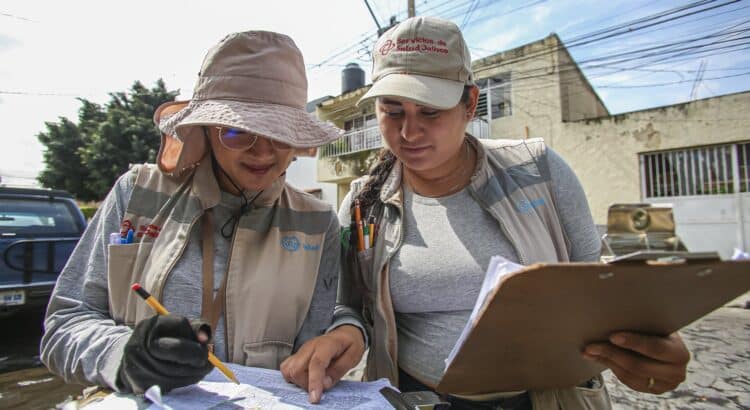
(38, 230)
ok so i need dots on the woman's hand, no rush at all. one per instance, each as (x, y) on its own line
(649, 364)
(170, 351)
(321, 362)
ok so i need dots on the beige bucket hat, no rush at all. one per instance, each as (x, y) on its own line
(253, 81)
(424, 59)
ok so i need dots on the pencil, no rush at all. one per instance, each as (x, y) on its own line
(372, 234)
(160, 309)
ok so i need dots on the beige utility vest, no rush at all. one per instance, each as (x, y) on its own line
(511, 181)
(273, 260)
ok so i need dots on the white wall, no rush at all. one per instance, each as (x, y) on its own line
(303, 173)
(711, 223)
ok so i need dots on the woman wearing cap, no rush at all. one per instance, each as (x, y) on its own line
(446, 202)
(218, 235)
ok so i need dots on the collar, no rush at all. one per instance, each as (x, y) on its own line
(206, 186)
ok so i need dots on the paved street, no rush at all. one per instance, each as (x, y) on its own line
(24, 384)
(718, 374)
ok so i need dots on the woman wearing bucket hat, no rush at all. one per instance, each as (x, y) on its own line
(217, 234)
(445, 203)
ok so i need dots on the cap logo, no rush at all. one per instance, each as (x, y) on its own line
(417, 44)
(387, 47)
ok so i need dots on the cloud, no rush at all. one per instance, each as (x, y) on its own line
(7, 42)
(540, 13)
(501, 41)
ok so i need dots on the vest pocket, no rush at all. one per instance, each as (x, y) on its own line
(125, 267)
(268, 355)
(364, 266)
(595, 398)
(584, 397)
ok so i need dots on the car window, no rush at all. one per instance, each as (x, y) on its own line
(37, 217)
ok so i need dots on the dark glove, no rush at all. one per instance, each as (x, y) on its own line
(164, 350)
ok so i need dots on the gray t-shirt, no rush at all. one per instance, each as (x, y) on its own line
(436, 275)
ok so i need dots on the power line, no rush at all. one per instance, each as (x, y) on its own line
(673, 82)
(17, 17)
(552, 83)
(367, 38)
(597, 35)
(606, 60)
(39, 94)
(471, 10)
(511, 11)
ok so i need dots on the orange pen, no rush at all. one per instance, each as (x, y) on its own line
(360, 227)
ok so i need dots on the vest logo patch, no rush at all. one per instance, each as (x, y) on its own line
(290, 243)
(525, 206)
(310, 247)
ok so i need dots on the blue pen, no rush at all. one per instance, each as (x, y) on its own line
(128, 238)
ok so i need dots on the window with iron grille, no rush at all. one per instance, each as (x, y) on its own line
(494, 97)
(711, 170)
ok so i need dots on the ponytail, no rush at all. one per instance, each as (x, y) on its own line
(370, 193)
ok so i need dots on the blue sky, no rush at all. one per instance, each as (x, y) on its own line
(53, 52)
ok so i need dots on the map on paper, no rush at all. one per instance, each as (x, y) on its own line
(258, 389)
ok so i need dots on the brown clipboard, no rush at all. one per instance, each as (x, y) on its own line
(531, 332)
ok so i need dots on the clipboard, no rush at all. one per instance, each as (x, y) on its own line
(531, 332)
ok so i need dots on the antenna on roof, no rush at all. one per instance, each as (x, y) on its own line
(698, 79)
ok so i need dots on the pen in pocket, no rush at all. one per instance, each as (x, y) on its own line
(366, 235)
(371, 223)
(115, 238)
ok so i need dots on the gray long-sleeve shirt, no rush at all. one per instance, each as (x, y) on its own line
(82, 343)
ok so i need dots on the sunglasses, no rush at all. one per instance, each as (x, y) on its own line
(240, 140)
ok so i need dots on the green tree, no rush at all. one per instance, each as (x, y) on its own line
(63, 141)
(86, 158)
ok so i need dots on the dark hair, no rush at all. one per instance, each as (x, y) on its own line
(370, 193)
(466, 93)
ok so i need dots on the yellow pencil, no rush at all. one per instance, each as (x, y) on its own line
(160, 309)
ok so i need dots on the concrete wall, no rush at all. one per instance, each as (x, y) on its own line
(547, 89)
(535, 93)
(604, 151)
(577, 98)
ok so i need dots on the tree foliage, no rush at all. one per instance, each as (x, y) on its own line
(86, 158)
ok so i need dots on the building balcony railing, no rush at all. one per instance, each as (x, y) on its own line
(364, 139)
(361, 139)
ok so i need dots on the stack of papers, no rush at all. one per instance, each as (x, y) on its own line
(498, 268)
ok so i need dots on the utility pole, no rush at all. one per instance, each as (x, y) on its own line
(380, 29)
(411, 11)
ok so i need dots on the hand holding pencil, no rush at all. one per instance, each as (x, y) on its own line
(166, 350)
